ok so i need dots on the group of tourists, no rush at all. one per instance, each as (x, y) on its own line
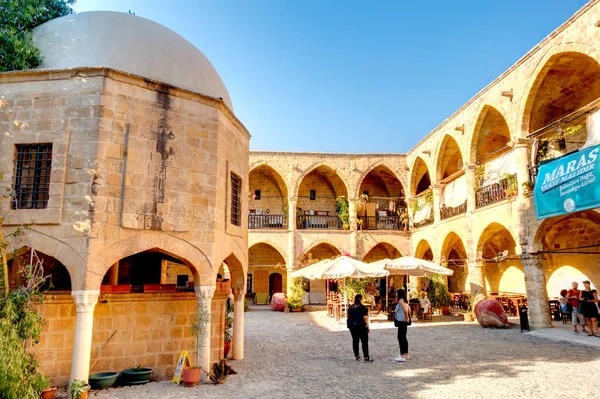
(583, 306)
(359, 325)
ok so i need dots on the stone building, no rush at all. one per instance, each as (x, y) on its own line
(128, 167)
(467, 185)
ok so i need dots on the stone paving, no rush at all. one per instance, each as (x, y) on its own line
(307, 355)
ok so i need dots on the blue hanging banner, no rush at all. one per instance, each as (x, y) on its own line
(568, 184)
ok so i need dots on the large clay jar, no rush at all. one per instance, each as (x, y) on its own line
(490, 313)
(278, 302)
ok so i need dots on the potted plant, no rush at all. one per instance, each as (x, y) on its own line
(137, 375)
(527, 186)
(227, 333)
(191, 375)
(468, 313)
(48, 393)
(79, 389)
(295, 305)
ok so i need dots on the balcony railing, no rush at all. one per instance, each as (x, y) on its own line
(382, 223)
(267, 221)
(425, 222)
(496, 192)
(319, 222)
(450, 211)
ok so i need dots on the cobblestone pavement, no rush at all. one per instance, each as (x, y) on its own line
(307, 355)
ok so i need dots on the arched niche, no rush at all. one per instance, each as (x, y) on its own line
(319, 189)
(491, 134)
(382, 250)
(268, 191)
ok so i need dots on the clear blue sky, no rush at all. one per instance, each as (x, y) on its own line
(352, 76)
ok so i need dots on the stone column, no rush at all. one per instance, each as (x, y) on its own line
(204, 293)
(239, 293)
(163, 271)
(292, 207)
(353, 233)
(85, 302)
(537, 296)
(521, 158)
(291, 254)
(476, 277)
(438, 191)
(470, 176)
(113, 274)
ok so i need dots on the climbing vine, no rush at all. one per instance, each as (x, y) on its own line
(342, 207)
(479, 176)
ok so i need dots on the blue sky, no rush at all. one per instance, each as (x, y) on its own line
(352, 76)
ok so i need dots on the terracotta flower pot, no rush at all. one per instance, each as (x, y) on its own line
(467, 316)
(48, 393)
(191, 376)
(226, 349)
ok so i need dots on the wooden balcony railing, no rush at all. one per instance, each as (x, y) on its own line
(448, 212)
(319, 222)
(496, 192)
(267, 221)
(381, 223)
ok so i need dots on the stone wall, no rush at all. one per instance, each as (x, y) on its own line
(149, 329)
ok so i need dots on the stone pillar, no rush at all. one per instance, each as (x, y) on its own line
(470, 176)
(353, 233)
(292, 218)
(476, 277)
(163, 271)
(204, 293)
(85, 302)
(113, 274)
(521, 158)
(239, 293)
(438, 191)
(537, 296)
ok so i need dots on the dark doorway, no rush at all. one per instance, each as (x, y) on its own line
(274, 283)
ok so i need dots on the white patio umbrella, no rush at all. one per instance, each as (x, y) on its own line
(341, 267)
(411, 266)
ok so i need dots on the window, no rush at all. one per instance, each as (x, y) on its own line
(31, 181)
(249, 283)
(257, 195)
(236, 200)
(313, 195)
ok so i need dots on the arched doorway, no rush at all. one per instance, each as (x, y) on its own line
(275, 283)
(497, 248)
(317, 196)
(455, 256)
(386, 201)
(268, 204)
(384, 250)
(263, 261)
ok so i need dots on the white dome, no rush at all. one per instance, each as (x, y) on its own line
(127, 43)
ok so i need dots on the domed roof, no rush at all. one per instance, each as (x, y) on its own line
(127, 43)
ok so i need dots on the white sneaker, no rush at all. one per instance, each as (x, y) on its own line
(399, 359)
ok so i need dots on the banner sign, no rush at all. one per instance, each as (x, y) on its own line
(568, 184)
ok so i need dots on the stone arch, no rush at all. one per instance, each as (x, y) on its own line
(56, 274)
(453, 241)
(327, 184)
(493, 239)
(173, 246)
(454, 254)
(491, 134)
(449, 159)
(316, 167)
(57, 249)
(323, 248)
(273, 189)
(543, 67)
(423, 250)
(420, 179)
(382, 250)
(236, 268)
(548, 224)
(380, 166)
(269, 243)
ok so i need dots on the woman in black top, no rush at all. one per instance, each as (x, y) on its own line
(589, 309)
(358, 323)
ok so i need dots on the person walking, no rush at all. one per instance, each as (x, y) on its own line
(401, 320)
(359, 325)
(589, 298)
(576, 315)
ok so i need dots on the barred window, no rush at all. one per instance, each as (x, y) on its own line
(236, 200)
(31, 181)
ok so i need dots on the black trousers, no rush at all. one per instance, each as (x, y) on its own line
(360, 333)
(402, 338)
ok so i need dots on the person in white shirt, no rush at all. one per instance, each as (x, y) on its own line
(425, 303)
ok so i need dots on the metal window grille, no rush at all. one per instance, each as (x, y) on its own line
(31, 181)
(236, 203)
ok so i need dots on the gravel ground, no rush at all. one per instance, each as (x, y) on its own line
(307, 355)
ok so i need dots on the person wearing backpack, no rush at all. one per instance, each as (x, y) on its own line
(402, 321)
(358, 323)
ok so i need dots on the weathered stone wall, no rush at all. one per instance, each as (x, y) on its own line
(149, 329)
